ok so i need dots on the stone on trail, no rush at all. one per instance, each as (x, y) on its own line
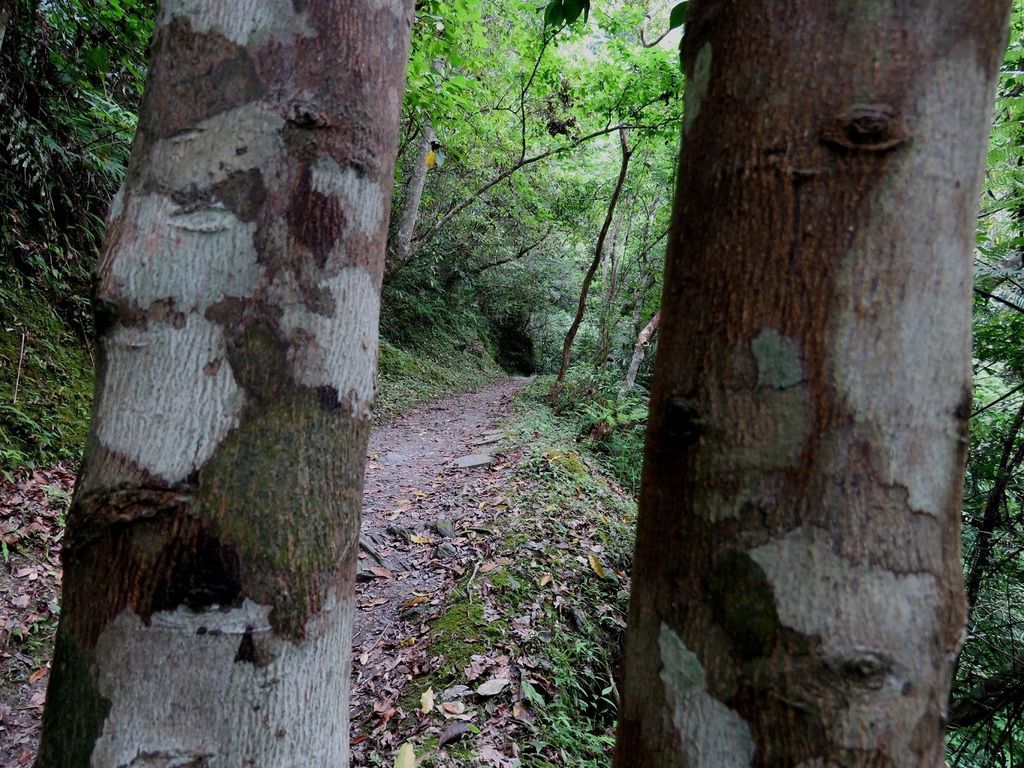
(445, 550)
(473, 460)
(488, 439)
(443, 527)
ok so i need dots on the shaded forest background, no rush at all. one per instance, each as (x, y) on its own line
(511, 149)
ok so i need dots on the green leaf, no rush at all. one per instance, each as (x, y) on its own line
(553, 14)
(571, 10)
(678, 15)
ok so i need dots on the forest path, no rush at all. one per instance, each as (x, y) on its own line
(422, 514)
(413, 490)
(490, 599)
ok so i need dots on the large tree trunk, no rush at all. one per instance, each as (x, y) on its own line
(400, 252)
(581, 308)
(797, 596)
(211, 546)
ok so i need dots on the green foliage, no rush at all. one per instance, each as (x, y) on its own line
(449, 364)
(52, 374)
(70, 78)
(559, 12)
(609, 423)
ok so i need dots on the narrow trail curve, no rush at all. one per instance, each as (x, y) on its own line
(421, 513)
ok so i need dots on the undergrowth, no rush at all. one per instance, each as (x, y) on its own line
(45, 379)
(567, 550)
(447, 365)
(608, 423)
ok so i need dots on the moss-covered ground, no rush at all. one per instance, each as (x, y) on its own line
(46, 373)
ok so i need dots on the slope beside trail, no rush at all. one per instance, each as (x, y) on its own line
(419, 507)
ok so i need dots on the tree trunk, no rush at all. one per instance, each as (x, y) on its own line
(643, 339)
(401, 252)
(5, 16)
(606, 316)
(211, 546)
(797, 594)
(570, 336)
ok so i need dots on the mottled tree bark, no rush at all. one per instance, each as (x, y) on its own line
(797, 596)
(211, 545)
(643, 339)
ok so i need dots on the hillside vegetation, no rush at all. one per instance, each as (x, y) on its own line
(513, 137)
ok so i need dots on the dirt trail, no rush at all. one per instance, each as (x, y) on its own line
(421, 517)
(421, 513)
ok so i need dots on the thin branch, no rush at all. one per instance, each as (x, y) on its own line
(1000, 299)
(427, 234)
(643, 34)
(998, 400)
(518, 255)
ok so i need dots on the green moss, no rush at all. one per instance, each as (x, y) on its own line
(49, 421)
(290, 459)
(570, 462)
(456, 637)
(448, 364)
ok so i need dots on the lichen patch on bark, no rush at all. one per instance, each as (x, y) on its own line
(779, 364)
(170, 423)
(860, 614)
(697, 86)
(710, 734)
(197, 652)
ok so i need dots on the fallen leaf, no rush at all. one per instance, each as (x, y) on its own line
(491, 756)
(37, 674)
(454, 731)
(521, 711)
(494, 564)
(414, 601)
(406, 757)
(544, 580)
(477, 664)
(596, 566)
(492, 687)
(455, 692)
(416, 539)
(453, 707)
(382, 573)
(427, 701)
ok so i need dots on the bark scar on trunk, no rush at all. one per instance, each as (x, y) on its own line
(867, 128)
